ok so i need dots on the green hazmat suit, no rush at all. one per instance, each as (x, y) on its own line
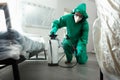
(77, 32)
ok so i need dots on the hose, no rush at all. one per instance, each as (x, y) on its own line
(66, 66)
(64, 54)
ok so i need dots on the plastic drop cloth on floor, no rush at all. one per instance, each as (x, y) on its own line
(13, 44)
(106, 36)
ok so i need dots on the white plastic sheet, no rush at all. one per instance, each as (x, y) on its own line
(13, 44)
(106, 32)
(9, 50)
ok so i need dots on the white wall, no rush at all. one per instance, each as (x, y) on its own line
(14, 12)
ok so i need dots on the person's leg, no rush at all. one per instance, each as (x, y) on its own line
(81, 55)
(68, 50)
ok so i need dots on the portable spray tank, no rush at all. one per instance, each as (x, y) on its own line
(53, 51)
(53, 57)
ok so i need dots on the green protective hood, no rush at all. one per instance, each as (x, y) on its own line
(81, 8)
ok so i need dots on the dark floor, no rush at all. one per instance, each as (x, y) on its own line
(39, 70)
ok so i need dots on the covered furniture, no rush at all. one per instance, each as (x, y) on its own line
(106, 36)
(14, 47)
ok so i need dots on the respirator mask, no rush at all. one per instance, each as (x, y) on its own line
(77, 18)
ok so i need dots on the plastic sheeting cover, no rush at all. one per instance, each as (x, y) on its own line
(13, 44)
(106, 36)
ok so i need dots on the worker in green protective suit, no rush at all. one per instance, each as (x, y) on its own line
(77, 33)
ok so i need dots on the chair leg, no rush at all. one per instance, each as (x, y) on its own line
(36, 56)
(15, 71)
(101, 75)
(45, 54)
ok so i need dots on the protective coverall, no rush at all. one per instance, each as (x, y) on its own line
(77, 33)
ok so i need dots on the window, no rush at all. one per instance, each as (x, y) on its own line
(4, 17)
(36, 15)
(3, 27)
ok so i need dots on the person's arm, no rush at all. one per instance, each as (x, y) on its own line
(84, 34)
(58, 24)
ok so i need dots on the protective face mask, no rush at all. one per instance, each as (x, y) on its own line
(77, 18)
